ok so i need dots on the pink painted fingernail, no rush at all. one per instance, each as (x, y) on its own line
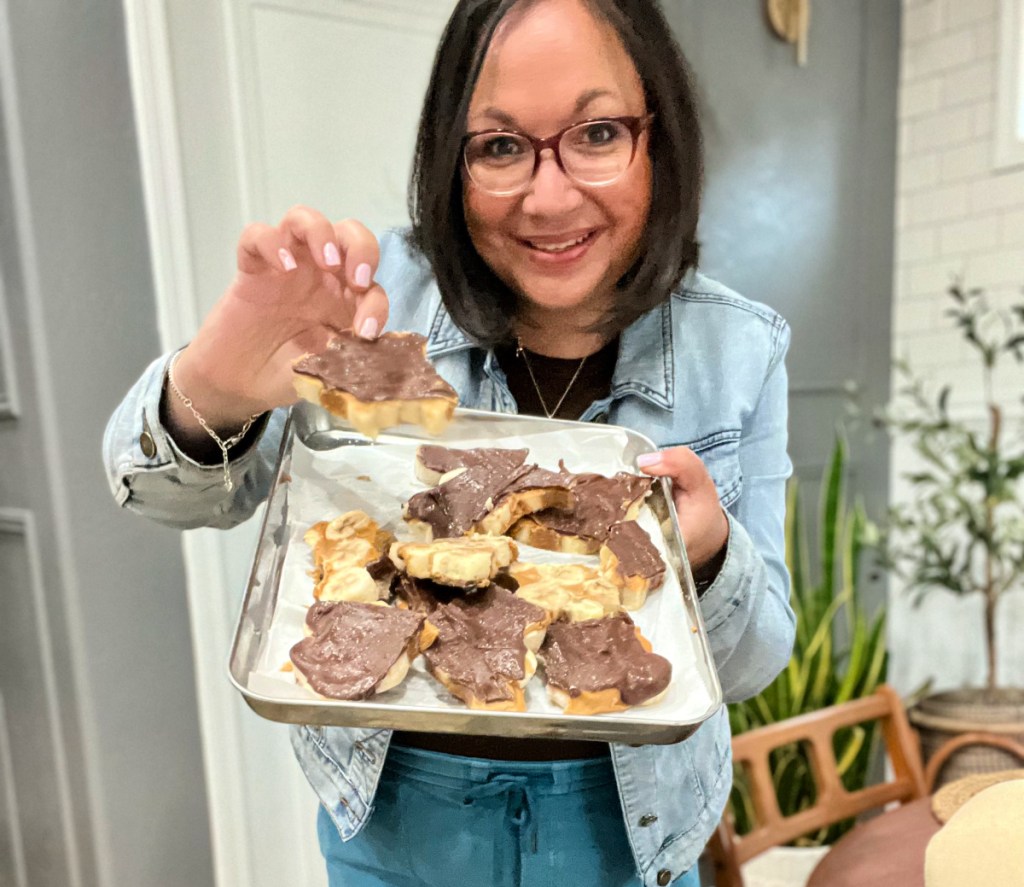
(370, 328)
(646, 460)
(287, 259)
(363, 273)
(331, 255)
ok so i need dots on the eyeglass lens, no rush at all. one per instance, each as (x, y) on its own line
(593, 153)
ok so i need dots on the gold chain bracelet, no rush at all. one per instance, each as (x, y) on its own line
(224, 445)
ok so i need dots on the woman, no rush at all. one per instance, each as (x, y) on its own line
(555, 198)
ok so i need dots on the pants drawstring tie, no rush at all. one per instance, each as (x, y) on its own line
(517, 803)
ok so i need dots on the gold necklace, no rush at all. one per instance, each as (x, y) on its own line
(521, 352)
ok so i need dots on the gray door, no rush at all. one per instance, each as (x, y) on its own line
(799, 209)
(44, 823)
(100, 765)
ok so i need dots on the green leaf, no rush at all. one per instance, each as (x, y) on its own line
(820, 673)
(831, 516)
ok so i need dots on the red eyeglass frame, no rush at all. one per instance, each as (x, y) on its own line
(634, 124)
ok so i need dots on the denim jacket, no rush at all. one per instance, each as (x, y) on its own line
(706, 370)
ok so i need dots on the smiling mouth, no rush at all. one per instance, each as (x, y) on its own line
(559, 246)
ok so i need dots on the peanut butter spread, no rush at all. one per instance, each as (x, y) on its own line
(392, 367)
(353, 645)
(598, 654)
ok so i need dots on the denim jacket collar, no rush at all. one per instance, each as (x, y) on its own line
(644, 368)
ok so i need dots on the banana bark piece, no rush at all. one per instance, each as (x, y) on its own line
(599, 502)
(358, 650)
(466, 561)
(343, 549)
(377, 384)
(602, 665)
(574, 592)
(632, 562)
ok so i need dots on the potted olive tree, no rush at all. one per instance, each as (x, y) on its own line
(962, 526)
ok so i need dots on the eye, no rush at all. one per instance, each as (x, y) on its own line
(600, 132)
(499, 147)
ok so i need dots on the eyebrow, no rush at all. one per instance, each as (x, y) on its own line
(581, 103)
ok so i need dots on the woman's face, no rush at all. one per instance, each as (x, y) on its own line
(559, 244)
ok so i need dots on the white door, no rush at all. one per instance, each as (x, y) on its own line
(245, 108)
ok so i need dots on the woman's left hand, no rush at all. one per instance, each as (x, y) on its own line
(702, 520)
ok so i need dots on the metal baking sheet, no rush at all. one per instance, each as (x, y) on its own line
(324, 470)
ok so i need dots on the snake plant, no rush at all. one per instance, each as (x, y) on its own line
(839, 653)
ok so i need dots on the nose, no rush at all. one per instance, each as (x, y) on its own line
(551, 191)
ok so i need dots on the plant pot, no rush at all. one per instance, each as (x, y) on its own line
(944, 716)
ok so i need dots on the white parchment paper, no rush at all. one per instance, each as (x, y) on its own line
(378, 480)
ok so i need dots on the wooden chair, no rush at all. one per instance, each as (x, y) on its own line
(728, 851)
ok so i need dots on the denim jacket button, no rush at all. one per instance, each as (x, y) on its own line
(147, 445)
(647, 819)
(664, 877)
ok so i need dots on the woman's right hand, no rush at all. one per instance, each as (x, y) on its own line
(297, 284)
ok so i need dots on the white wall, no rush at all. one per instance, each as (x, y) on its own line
(956, 215)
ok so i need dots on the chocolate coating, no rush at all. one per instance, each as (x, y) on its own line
(445, 459)
(598, 654)
(391, 367)
(382, 569)
(480, 642)
(352, 646)
(636, 553)
(424, 595)
(452, 508)
(600, 502)
(539, 478)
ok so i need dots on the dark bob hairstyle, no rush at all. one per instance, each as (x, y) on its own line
(478, 301)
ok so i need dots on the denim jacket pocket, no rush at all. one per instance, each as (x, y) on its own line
(720, 453)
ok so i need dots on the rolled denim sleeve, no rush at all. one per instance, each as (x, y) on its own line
(170, 487)
(746, 610)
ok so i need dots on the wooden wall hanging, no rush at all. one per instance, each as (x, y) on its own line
(790, 20)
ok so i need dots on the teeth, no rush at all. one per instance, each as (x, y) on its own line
(559, 247)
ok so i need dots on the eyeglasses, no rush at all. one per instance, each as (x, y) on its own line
(592, 152)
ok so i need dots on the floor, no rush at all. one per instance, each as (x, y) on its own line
(782, 867)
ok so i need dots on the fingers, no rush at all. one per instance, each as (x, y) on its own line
(347, 249)
(681, 464)
(371, 313)
(361, 252)
(262, 248)
(313, 234)
(702, 521)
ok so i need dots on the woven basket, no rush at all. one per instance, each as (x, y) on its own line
(943, 716)
(952, 796)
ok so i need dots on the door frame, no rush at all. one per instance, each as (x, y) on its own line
(177, 309)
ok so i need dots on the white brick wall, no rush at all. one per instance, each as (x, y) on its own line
(955, 216)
